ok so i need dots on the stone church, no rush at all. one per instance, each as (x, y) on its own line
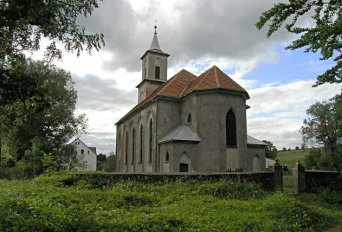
(188, 123)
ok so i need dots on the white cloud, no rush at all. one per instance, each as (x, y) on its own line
(196, 35)
(277, 112)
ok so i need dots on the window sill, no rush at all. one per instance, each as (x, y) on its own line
(231, 146)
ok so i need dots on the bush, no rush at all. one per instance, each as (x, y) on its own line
(292, 215)
(233, 190)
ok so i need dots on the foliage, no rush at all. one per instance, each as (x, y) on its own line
(43, 204)
(110, 165)
(24, 23)
(271, 150)
(324, 125)
(100, 161)
(322, 33)
(37, 104)
(233, 190)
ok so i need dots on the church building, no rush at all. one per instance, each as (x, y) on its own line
(188, 123)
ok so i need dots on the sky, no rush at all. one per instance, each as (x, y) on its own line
(196, 34)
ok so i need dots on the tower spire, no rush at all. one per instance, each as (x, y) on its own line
(155, 43)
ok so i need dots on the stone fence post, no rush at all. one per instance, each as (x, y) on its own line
(278, 177)
(299, 178)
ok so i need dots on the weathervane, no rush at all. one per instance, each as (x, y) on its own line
(155, 26)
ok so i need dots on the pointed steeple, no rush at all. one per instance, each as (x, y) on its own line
(155, 43)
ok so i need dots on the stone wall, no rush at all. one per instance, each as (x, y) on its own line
(313, 180)
(267, 180)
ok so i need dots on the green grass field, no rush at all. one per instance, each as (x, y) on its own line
(62, 202)
(291, 157)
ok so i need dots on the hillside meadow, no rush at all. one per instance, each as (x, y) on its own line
(62, 202)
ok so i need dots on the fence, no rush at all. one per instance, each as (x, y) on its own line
(271, 181)
(312, 180)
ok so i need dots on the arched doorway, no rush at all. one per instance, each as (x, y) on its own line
(184, 163)
(256, 163)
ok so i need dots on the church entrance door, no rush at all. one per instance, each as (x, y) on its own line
(183, 167)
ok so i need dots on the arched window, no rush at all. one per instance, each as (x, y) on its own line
(189, 120)
(150, 142)
(117, 143)
(141, 143)
(167, 157)
(133, 146)
(126, 149)
(230, 129)
(157, 72)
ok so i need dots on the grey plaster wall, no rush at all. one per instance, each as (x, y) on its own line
(259, 152)
(168, 118)
(150, 61)
(141, 118)
(185, 153)
(146, 89)
(210, 113)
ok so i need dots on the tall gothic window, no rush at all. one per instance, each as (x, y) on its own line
(157, 72)
(141, 143)
(133, 146)
(150, 142)
(230, 129)
(126, 149)
(189, 120)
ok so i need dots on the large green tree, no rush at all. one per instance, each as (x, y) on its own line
(37, 109)
(23, 23)
(322, 33)
(324, 126)
(26, 102)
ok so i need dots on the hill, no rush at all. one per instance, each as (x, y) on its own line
(291, 157)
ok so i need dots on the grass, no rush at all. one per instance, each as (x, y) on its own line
(290, 158)
(60, 202)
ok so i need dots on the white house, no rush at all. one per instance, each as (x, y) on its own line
(86, 154)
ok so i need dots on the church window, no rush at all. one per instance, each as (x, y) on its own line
(189, 120)
(167, 157)
(150, 142)
(82, 151)
(141, 143)
(157, 72)
(230, 129)
(133, 146)
(126, 149)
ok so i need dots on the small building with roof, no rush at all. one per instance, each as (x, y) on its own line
(188, 123)
(86, 155)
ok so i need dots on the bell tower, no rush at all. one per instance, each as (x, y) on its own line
(154, 68)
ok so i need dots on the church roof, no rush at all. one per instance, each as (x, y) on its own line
(253, 141)
(184, 83)
(181, 133)
(214, 78)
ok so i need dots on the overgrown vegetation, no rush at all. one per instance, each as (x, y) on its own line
(64, 202)
(37, 100)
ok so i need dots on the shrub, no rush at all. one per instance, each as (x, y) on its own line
(233, 189)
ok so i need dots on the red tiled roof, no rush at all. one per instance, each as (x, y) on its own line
(214, 78)
(93, 149)
(184, 83)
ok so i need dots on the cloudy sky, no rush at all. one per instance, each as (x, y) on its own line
(197, 34)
